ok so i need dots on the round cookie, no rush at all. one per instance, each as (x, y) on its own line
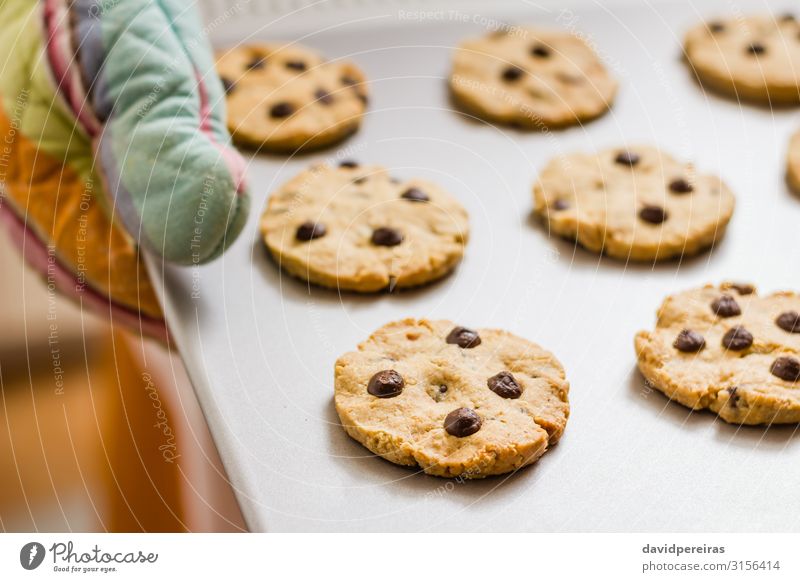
(753, 59)
(356, 228)
(793, 163)
(633, 204)
(531, 78)
(453, 401)
(287, 98)
(727, 349)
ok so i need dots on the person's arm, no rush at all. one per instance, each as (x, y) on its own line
(112, 138)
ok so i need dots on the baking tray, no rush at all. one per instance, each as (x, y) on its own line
(260, 346)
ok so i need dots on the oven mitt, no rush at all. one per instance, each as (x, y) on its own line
(112, 138)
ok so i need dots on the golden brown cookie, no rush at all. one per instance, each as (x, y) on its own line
(634, 203)
(727, 349)
(356, 228)
(531, 78)
(752, 59)
(453, 401)
(793, 163)
(288, 98)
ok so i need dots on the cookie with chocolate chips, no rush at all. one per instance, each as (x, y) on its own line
(729, 350)
(288, 98)
(356, 228)
(635, 203)
(531, 78)
(793, 163)
(750, 59)
(453, 401)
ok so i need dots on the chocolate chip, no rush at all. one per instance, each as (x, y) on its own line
(463, 337)
(789, 321)
(415, 195)
(386, 384)
(540, 51)
(788, 17)
(786, 368)
(742, 288)
(296, 65)
(560, 204)
(462, 422)
(442, 389)
(627, 158)
(323, 96)
(310, 230)
(756, 49)
(737, 338)
(689, 341)
(257, 63)
(360, 180)
(653, 214)
(348, 80)
(725, 306)
(680, 186)
(363, 98)
(716, 26)
(386, 237)
(512, 74)
(348, 164)
(282, 109)
(504, 384)
(228, 85)
(733, 399)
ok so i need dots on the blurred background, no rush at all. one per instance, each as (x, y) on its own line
(99, 429)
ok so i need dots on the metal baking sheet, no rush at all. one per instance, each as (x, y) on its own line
(260, 346)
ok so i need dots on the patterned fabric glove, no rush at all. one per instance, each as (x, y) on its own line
(112, 138)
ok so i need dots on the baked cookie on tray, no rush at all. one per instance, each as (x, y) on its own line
(752, 59)
(356, 228)
(634, 203)
(454, 401)
(531, 78)
(793, 163)
(729, 350)
(285, 98)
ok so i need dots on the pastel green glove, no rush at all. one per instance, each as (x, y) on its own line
(112, 122)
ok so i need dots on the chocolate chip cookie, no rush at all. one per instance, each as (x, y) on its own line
(454, 401)
(751, 59)
(727, 349)
(634, 203)
(357, 228)
(288, 98)
(531, 78)
(793, 163)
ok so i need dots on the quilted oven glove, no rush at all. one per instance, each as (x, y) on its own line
(112, 138)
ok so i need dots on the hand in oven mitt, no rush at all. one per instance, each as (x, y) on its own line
(112, 138)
